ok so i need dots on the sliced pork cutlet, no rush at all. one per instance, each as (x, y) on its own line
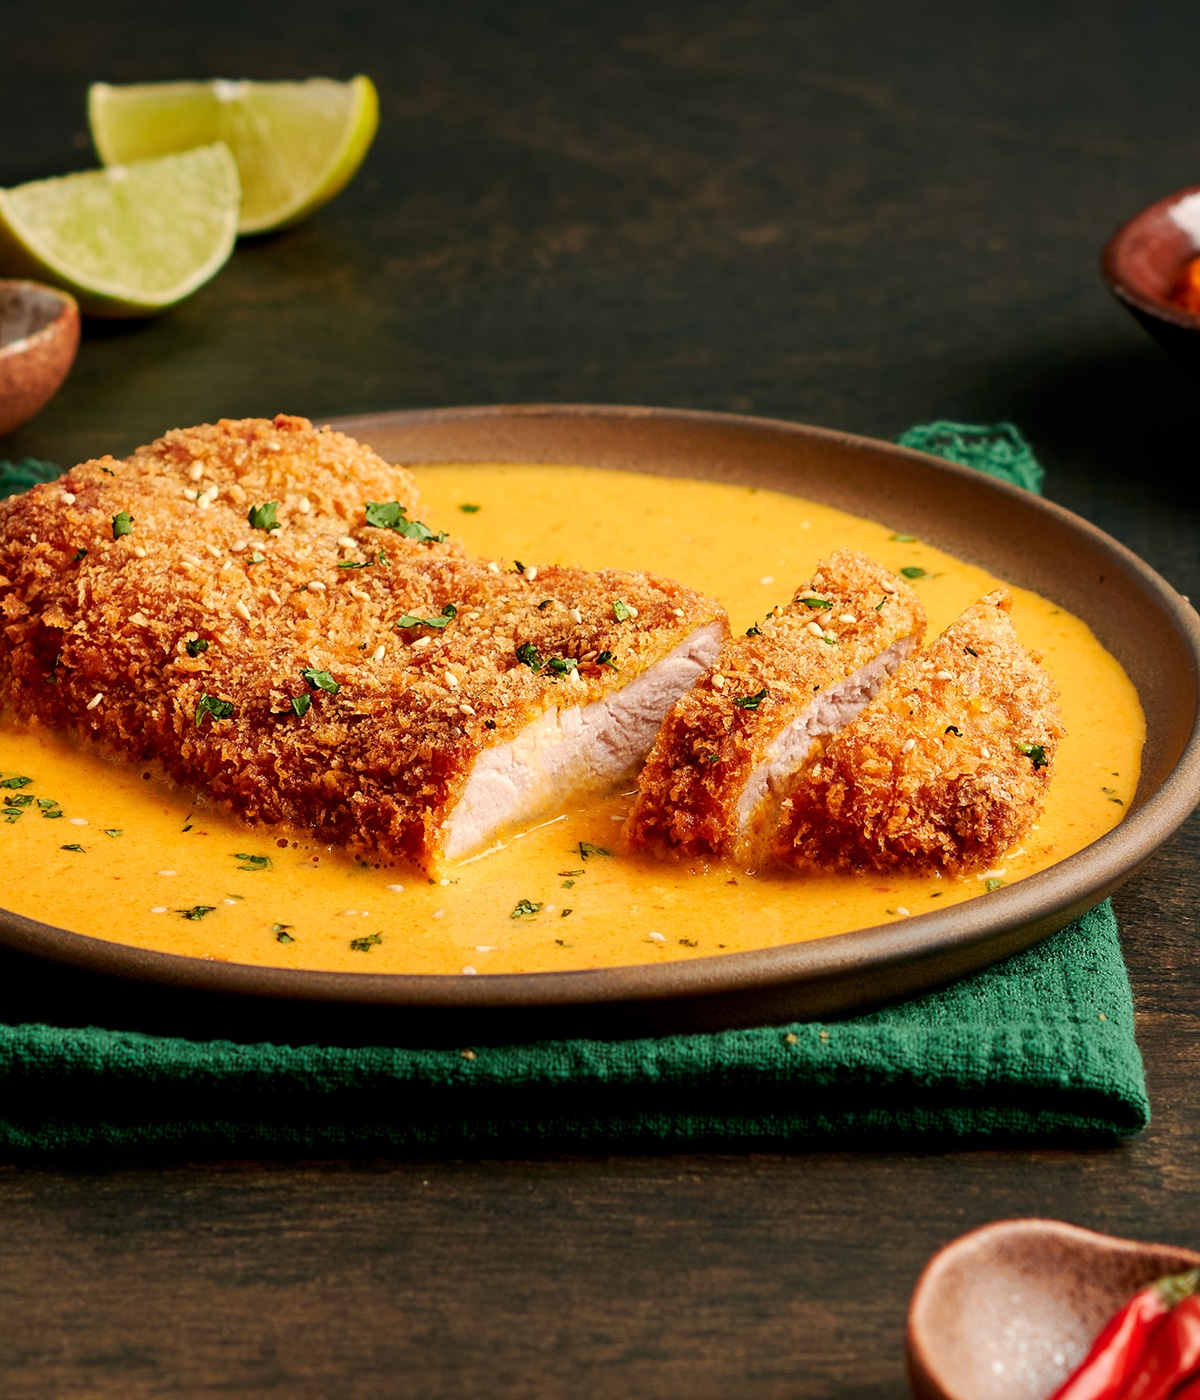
(255, 607)
(946, 768)
(729, 750)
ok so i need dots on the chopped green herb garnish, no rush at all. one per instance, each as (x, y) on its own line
(992, 884)
(51, 676)
(816, 603)
(545, 603)
(754, 630)
(970, 651)
(108, 471)
(320, 680)
(74, 846)
(520, 568)
(364, 945)
(20, 799)
(79, 554)
(621, 610)
(1035, 753)
(197, 911)
(252, 862)
(525, 909)
(391, 515)
(879, 605)
(301, 704)
(830, 641)
(411, 620)
(528, 655)
(50, 808)
(565, 912)
(351, 564)
(196, 646)
(914, 571)
(905, 539)
(281, 933)
(263, 517)
(586, 849)
(122, 524)
(751, 702)
(568, 884)
(15, 783)
(212, 705)
(605, 658)
(470, 509)
(450, 611)
(13, 815)
(563, 665)
(569, 872)
(113, 831)
(690, 942)
(955, 730)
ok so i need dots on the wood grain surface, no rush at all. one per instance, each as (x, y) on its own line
(846, 212)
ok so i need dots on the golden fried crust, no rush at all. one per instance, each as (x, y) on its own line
(712, 740)
(377, 765)
(946, 768)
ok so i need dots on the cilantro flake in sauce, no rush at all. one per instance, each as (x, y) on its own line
(525, 909)
(252, 863)
(621, 610)
(365, 944)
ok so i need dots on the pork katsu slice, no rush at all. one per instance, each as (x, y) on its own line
(729, 750)
(255, 607)
(946, 768)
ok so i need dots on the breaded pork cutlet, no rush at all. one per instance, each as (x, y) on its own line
(730, 748)
(946, 768)
(254, 606)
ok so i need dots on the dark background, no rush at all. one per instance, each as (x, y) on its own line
(861, 214)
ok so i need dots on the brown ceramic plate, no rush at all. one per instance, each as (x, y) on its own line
(1008, 1311)
(1135, 613)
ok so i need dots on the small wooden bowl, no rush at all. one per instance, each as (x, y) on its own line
(1008, 1311)
(39, 334)
(1141, 263)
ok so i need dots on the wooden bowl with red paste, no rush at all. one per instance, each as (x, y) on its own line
(1148, 265)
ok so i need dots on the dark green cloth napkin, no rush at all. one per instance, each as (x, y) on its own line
(1038, 1048)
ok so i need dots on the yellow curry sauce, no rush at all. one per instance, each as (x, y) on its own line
(103, 850)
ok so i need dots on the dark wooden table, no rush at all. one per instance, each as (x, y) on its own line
(849, 212)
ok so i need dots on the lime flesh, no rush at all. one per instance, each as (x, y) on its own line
(130, 240)
(296, 144)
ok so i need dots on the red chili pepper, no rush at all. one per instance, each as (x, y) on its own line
(1173, 1355)
(1117, 1354)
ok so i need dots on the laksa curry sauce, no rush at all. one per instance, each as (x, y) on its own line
(109, 851)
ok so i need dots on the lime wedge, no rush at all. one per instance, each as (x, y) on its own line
(296, 144)
(130, 240)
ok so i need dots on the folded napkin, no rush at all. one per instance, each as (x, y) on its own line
(1037, 1048)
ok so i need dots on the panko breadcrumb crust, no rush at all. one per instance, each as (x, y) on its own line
(709, 744)
(97, 625)
(946, 768)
